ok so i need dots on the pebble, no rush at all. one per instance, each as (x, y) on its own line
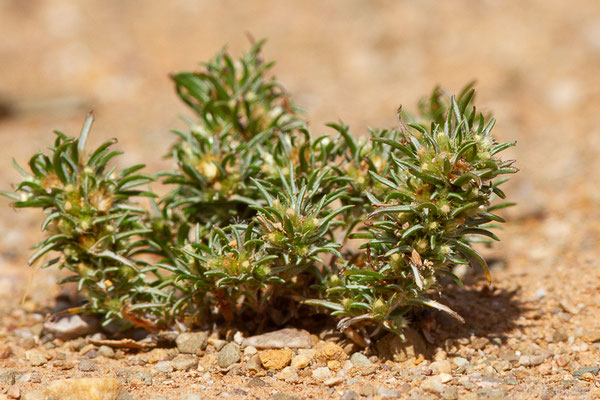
(301, 361)
(531, 361)
(350, 395)
(283, 338)
(433, 384)
(540, 293)
(87, 365)
(562, 360)
(164, 367)
(321, 373)
(191, 342)
(250, 351)
(450, 393)
(35, 358)
(283, 396)
(288, 374)
(366, 390)
(106, 351)
(326, 351)
(5, 352)
(275, 359)
(441, 366)
(184, 362)
(13, 392)
(257, 382)
(387, 393)
(32, 377)
(585, 370)
(34, 395)
(254, 363)
(8, 378)
(590, 335)
(124, 396)
(82, 388)
(333, 381)
(393, 347)
(71, 326)
(461, 364)
(360, 359)
(190, 396)
(228, 355)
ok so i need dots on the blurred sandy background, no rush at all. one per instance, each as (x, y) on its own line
(537, 63)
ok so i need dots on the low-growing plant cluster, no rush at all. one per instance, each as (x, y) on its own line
(267, 223)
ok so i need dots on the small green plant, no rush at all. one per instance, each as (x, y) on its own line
(266, 223)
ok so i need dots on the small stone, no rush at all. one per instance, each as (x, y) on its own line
(559, 335)
(72, 326)
(326, 352)
(433, 384)
(34, 395)
(334, 365)
(364, 371)
(450, 393)
(540, 293)
(106, 351)
(393, 347)
(5, 352)
(441, 366)
(350, 395)
(190, 396)
(86, 349)
(35, 358)
(86, 365)
(387, 393)
(461, 364)
(85, 388)
(568, 306)
(333, 381)
(145, 377)
(257, 382)
(32, 377)
(164, 367)
(511, 380)
(321, 373)
(217, 343)
(124, 396)
(8, 378)
(254, 363)
(582, 371)
(478, 343)
(562, 360)
(275, 359)
(228, 355)
(591, 335)
(283, 338)
(283, 396)
(288, 374)
(184, 362)
(301, 361)
(360, 359)
(367, 390)
(63, 364)
(192, 342)
(13, 392)
(250, 351)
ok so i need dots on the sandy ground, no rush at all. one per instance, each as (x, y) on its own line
(536, 63)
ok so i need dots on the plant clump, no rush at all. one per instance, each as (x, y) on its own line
(266, 223)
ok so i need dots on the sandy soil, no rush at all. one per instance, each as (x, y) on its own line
(536, 63)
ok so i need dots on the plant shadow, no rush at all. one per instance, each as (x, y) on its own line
(489, 312)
